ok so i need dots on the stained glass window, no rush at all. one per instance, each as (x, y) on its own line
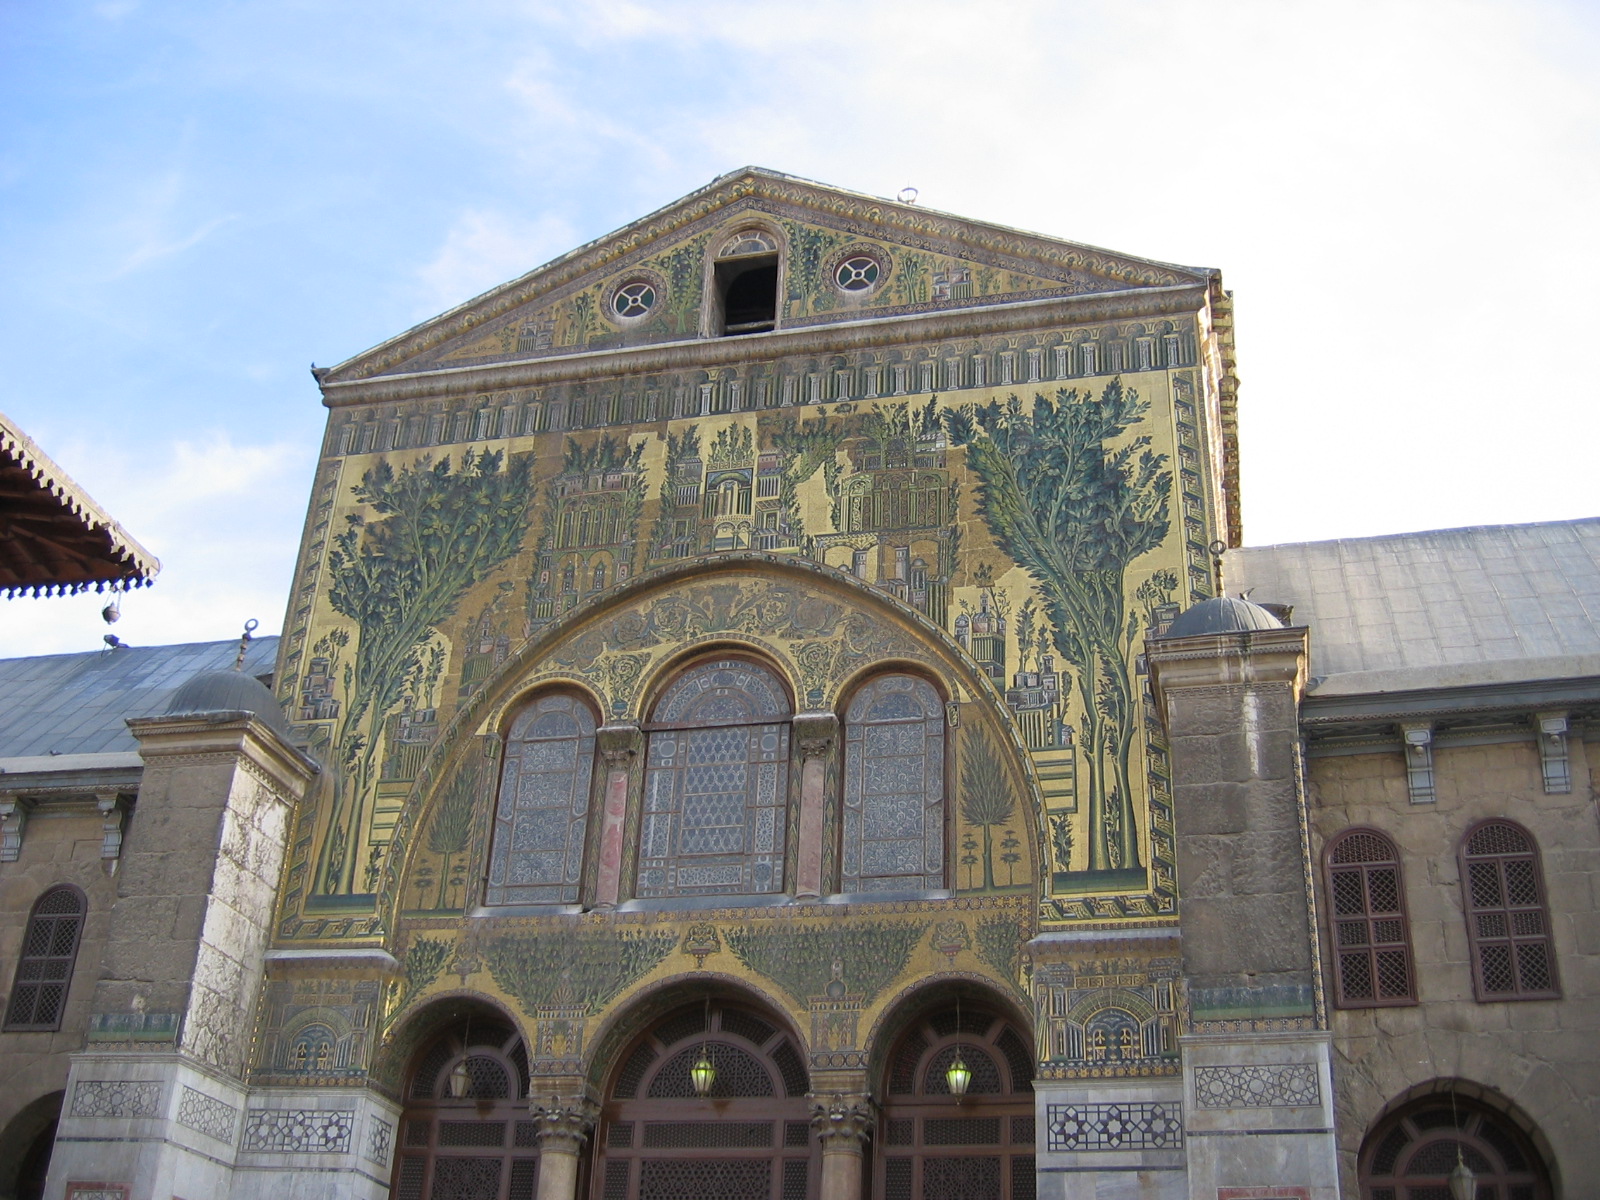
(542, 812)
(716, 784)
(894, 787)
(1371, 935)
(1508, 924)
(49, 950)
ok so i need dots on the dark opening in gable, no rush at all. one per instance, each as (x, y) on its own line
(748, 290)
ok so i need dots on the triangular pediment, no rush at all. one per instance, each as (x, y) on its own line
(845, 256)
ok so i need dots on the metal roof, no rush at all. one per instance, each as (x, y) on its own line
(63, 704)
(1440, 608)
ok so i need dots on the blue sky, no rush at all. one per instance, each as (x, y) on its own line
(198, 200)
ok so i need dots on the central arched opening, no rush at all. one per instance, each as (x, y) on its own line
(936, 1145)
(465, 1133)
(747, 1138)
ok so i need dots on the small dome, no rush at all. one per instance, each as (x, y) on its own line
(228, 691)
(1223, 614)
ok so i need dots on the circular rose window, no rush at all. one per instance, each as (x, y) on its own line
(857, 274)
(634, 300)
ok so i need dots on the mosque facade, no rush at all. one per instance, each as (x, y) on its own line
(758, 717)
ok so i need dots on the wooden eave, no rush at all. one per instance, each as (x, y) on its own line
(54, 539)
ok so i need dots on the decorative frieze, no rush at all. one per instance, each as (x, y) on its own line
(299, 1130)
(1278, 1085)
(116, 1098)
(1132, 1126)
(208, 1115)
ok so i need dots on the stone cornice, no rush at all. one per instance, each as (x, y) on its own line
(1253, 657)
(226, 735)
(1327, 713)
(709, 353)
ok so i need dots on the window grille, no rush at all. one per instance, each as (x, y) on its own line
(1371, 935)
(44, 970)
(1508, 921)
(894, 787)
(542, 812)
(716, 784)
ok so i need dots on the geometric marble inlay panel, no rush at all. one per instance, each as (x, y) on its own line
(116, 1098)
(206, 1114)
(1133, 1126)
(1283, 1085)
(299, 1130)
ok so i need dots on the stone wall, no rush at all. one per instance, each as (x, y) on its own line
(1541, 1056)
(56, 848)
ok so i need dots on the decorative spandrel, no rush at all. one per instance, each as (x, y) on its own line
(541, 815)
(894, 787)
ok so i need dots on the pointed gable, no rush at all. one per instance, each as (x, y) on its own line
(841, 256)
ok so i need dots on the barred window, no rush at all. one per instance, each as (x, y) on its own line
(716, 784)
(44, 971)
(1508, 920)
(1371, 934)
(542, 813)
(894, 787)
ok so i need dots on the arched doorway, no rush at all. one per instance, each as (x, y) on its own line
(749, 1139)
(479, 1146)
(933, 1145)
(25, 1147)
(1410, 1153)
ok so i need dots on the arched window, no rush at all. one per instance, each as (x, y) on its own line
(1371, 935)
(542, 813)
(894, 787)
(1410, 1154)
(1508, 923)
(936, 1146)
(716, 783)
(480, 1144)
(44, 969)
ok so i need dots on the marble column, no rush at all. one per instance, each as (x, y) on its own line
(843, 1123)
(816, 733)
(619, 746)
(563, 1126)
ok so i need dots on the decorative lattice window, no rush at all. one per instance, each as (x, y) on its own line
(1508, 921)
(542, 813)
(44, 969)
(894, 787)
(1371, 937)
(716, 784)
(1410, 1154)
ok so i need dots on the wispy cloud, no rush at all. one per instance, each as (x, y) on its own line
(484, 248)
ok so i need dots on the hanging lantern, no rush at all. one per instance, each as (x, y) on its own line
(1463, 1185)
(703, 1074)
(958, 1075)
(460, 1080)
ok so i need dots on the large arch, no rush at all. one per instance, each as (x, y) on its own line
(744, 1136)
(933, 1141)
(821, 625)
(465, 1128)
(25, 1145)
(1421, 1136)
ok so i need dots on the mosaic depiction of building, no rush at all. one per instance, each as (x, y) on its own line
(548, 493)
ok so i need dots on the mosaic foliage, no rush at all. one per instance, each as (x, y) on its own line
(824, 960)
(574, 969)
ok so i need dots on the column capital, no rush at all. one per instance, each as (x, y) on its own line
(563, 1123)
(843, 1120)
(815, 732)
(618, 744)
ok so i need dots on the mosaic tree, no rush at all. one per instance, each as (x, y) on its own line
(437, 531)
(1074, 500)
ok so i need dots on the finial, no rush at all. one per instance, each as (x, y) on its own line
(244, 642)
